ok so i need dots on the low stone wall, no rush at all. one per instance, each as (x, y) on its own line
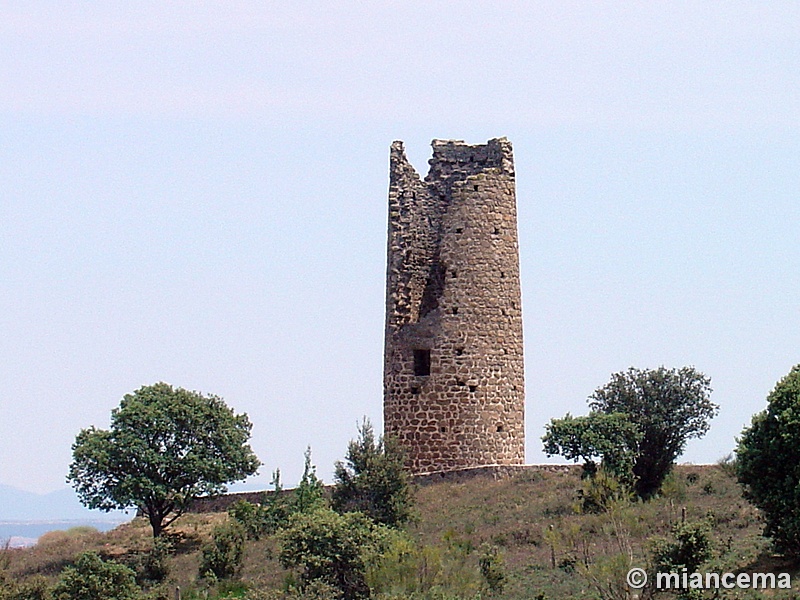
(494, 472)
(216, 504)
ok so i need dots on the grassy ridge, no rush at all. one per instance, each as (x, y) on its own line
(546, 548)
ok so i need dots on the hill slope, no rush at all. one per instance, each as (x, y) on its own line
(545, 548)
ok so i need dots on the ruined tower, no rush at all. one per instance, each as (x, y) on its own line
(454, 392)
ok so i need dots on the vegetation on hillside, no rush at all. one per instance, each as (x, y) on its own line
(545, 532)
(524, 537)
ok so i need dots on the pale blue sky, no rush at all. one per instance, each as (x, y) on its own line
(196, 193)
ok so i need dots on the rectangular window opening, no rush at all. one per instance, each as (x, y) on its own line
(422, 362)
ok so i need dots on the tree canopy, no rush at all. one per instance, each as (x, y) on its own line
(613, 438)
(669, 407)
(165, 447)
(768, 463)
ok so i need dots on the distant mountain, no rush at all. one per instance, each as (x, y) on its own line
(19, 505)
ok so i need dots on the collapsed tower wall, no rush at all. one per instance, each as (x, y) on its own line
(454, 390)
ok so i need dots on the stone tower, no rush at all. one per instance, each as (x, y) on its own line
(453, 381)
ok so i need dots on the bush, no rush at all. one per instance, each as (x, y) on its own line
(408, 570)
(373, 480)
(35, 588)
(273, 513)
(251, 517)
(152, 566)
(332, 549)
(768, 464)
(491, 565)
(222, 557)
(689, 548)
(155, 564)
(601, 491)
(92, 578)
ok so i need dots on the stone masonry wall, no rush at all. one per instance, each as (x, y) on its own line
(453, 359)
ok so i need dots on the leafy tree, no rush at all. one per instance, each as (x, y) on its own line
(373, 480)
(768, 463)
(610, 437)
(331, 548)
(669, 407)
(92, 578)
(166, 446)
(310, 492)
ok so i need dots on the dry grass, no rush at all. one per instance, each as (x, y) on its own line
(550, 548)
(547, 547)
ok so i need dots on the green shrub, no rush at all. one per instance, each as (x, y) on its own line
(373, 479)
(331, 548)
(408, 570)
(309, 494)
(222, 557)
(92, 578)
(674, 488)
(35, 588)
(155, 564)
(600, 491)
(689, 548)
(253, 518)
(273, 513)
(492, 570)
